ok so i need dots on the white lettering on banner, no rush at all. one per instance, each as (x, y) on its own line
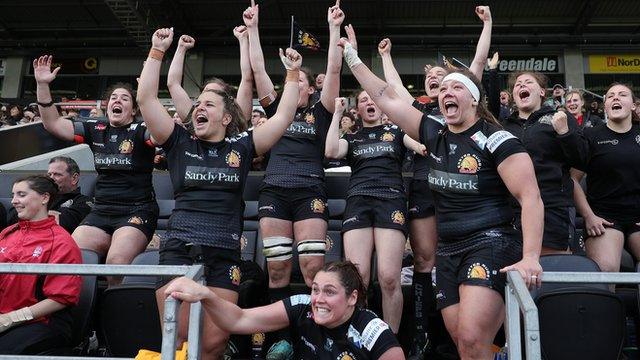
(108, 161)
(498, 138)
(372, 332)
(211, 176)
(301, 129)
(372, 150)
(458, 183)
(544, 64)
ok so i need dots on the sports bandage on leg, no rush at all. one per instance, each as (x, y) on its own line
(277, 248)
(351, 55)
(312, 248)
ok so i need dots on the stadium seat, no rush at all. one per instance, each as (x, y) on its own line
(249, 240)
(166, 208)
(335, 250)
(578, 321)
(130, 320)
(149, 257)
(251, 210)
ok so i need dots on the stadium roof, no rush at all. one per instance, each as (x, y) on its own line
(31, 26)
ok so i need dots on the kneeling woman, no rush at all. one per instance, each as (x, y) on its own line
(33, 308)
(376, 210)
(474, 165)
(329, 324)
(208, 172)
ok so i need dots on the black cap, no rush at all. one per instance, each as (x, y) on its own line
(558, 85)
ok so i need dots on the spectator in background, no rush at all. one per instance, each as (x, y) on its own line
(558, 96)
(34, 314)
(347, 123)
(596, 109)
(319, 81)
(574, 103)
(256, 115)
(94, 113)
(15, 115)
(69, 206)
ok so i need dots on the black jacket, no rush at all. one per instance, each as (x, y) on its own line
(73, 208)
(552, 154)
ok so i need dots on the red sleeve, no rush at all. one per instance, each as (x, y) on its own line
(64, 289)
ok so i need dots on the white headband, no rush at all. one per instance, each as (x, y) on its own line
(473, 89)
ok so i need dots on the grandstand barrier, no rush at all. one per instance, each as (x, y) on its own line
(519, 301)
(169, 331)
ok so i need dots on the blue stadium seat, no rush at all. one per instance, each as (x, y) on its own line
(149, 257)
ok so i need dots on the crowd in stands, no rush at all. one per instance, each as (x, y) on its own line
(495, 186)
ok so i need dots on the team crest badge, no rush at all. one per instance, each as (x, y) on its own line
(397, 217)
(310, 119)
(318, 206)
(345, 356)
(233, 159)
(126, 147)
(329, 242)
(387, 137)
(257, 339)
(243, 242)
(135, 220)
(234, 275)
(469, 164)
(478, 271)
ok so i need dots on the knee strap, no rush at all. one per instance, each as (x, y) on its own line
(277, 248)
(312, 248)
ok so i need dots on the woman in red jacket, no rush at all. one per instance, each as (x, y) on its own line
(34, 312)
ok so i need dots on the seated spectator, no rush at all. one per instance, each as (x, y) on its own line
(69, 207)
(34, 308)
(595, 108)
(94, 113)
(347, 123)
(15, 115)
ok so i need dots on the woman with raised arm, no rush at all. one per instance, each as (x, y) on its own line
(422, 222)
(376, 211)
(293, 199)
(208, 173)
(331, 323)
(474, 169)
(34, 314)
(552, 157)
(611, 160)
(125, 211)
(180, 98)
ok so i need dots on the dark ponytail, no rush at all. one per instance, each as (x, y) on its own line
(349, 278)
(42, 185)
(238, 123)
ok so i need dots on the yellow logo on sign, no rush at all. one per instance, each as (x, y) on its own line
(614, 63)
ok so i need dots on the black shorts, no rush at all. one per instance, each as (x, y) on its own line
(293, 204)
(479, 266)
(420, 200)
(371, 212)
(624, 225)
(559, 227)
(110, 218)
(221, 266)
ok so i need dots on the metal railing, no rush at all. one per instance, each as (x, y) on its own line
(519, 301)
(171, 307)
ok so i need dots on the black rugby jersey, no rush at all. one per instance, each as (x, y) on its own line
(469, 194)
(552, 155)
(375, 155)
(363, 336)
(420, 163)
(123, 159)
(296, 159)
(208, 182)
(613, 172)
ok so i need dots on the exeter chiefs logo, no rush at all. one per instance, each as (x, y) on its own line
(318, 206)
(257, 339)
(329, 242)
(243, 242)
(310, 119)
(233, 159)
(234, 275)
(397, 217)
(478, 271)
(137, 220)
(387, 137)
(126, 147)
(469, 164)
(345, 356)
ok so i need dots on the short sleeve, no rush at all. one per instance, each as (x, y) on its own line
(178, 134)
(81, 134)
(428, 125)
(296, 306)
(418, 105)
(502, 144)
(377, 337)
(245, 139)
(64, 289)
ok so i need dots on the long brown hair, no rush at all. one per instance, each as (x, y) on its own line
(540, 78)
(238, 123)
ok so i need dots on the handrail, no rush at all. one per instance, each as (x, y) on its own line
(518, 300)
(169, 331)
